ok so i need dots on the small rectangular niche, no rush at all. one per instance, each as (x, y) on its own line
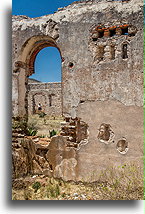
(112, 32)
(50, 100)
(100, 34)
(125, 31)
(100, 53)
(112, 52)
(124, 51)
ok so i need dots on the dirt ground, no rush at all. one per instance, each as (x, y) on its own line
(128, 186)
(46, 124)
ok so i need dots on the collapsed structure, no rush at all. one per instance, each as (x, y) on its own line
(101, 46)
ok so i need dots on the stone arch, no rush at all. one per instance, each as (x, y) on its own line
(31, 48)
(25, 65)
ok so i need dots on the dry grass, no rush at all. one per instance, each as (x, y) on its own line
(122, 183)
(46, 124)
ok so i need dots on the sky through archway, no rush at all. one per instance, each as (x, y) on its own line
(47, 65)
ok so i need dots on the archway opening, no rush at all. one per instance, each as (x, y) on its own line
(44, 90)
(44, 85)
(25, 67)
(47, 65)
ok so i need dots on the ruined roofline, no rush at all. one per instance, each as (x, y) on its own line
(19, 17)
(44, 83)
(80, 2)
(97, 1)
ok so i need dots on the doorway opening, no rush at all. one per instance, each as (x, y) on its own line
(44, 86)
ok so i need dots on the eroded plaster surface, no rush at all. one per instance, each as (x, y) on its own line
(101, 47)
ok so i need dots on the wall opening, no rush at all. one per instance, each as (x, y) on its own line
(45, 82)
(50, 100)
(100, 53)
(100, 34)
(125, 31)
(95, 39)
(71, 65)
(47, 65)
(124, 51)
(112, 52)
(112, 32)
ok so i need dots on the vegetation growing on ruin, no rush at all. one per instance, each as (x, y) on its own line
(19, 123)
(115, 183)
(45, 125)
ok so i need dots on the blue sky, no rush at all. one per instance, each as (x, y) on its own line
(48, 62)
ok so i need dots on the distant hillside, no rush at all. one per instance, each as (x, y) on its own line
(31, 80)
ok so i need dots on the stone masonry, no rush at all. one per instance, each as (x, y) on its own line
(101, 47)
(48, 95)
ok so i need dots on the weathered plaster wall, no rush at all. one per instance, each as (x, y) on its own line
(125, 121)
(118, 79)
(102, 75)
(15, 95)
(48, 94)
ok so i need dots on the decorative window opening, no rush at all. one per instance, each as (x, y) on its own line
(112, 32)
(124, 51)
(125, 31)
(112, 51)
(100, 32)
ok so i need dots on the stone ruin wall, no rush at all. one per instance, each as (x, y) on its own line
(55, 157)
(102, 80)
(49, 95)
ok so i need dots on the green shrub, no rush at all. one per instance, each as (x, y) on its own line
(53, 191)
(31, 129)
(42, 114)
(42, 136)
(19, 123)
(36, 186)
(52, 133)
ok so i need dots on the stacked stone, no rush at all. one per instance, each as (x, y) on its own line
(74, 130)
(68, 129)
(17, 135)
(83, 130)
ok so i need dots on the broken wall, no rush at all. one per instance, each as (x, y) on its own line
(49, 95)
(101, 45)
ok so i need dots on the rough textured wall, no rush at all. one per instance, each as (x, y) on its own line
(15, 95)
(95, 79)
(84, 77)
(49, 95)
(101, 45)
(126, 123)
